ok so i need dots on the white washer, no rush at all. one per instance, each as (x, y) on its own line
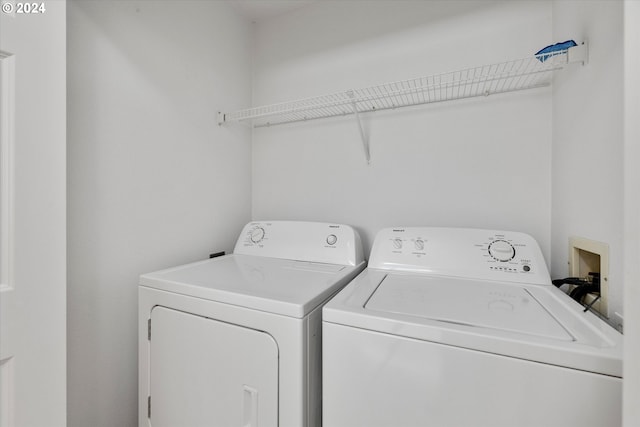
(236, 340)
(462, 327)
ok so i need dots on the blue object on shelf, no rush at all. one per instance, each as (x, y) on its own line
(551, 49)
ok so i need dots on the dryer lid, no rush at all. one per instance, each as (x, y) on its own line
(497, 306)
(279, 286)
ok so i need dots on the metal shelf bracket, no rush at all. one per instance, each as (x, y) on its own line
(363, 136)
(579, 53)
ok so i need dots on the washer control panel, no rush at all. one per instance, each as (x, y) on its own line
(462, 252)
(301, 241)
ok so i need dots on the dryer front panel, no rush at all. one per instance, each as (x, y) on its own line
(207, 372)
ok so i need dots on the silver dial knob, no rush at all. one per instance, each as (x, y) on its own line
(257, 234)
(397, 243)
(502, 251)
(332, 239)
(419, 244)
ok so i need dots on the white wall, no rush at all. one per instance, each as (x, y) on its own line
(153, 180)
(38, 260)
(631, 409)
(587, 153)
(484, 162)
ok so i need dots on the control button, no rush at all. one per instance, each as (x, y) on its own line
(419, 244)
(397, 243)
(257, 234)
(332, 239)
(501, 250)
(526, 268)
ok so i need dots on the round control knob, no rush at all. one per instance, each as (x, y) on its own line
(397, 243)
(257, 234)
(501, 250)
(419, 244)
(332, 239)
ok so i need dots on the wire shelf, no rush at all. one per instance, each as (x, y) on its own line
(521, 74)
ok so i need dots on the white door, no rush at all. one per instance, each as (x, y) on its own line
(204, 372)
(7, 294)
(32, 215)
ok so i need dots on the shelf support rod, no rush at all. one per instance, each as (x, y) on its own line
(363, 136)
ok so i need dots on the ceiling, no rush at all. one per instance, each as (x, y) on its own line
(261, 10)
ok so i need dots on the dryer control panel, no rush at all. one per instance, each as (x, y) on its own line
(461, 252)
(301, 241)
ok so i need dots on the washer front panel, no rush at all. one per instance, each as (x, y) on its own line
(373, 379)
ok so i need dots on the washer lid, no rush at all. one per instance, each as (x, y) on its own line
(549, 328)
(491, 305)
(279, 286)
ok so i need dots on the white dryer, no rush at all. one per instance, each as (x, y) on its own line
(463, 328)
(236, 340)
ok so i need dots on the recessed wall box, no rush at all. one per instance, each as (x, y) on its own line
(589, 256)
